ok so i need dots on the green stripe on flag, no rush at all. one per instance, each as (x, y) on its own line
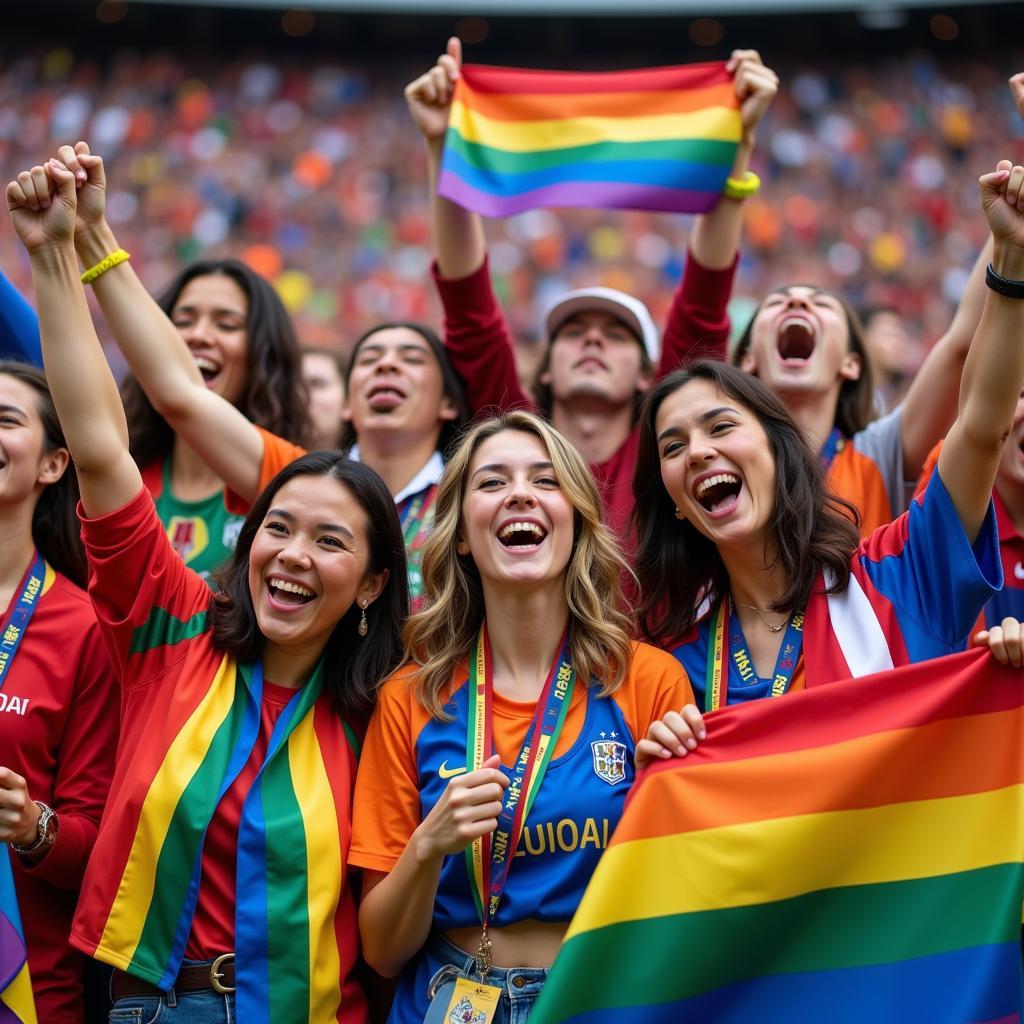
(162, 629)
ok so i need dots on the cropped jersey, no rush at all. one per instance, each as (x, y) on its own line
(408, 759)
(916, 587)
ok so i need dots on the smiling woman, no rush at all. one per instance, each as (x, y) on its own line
(235, 768)
(520, 646)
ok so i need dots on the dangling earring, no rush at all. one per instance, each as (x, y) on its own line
(363, 627)
(679, 515)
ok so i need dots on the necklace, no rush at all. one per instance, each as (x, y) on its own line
(761, 614)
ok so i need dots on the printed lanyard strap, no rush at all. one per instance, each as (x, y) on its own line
(488, 859)
(833, 445)
(417, 514)
(21, 614)
(717, 685)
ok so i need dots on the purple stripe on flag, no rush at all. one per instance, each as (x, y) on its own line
(8, 1016)
(594, 194)
(12, 952)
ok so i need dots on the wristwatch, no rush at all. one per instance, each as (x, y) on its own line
(46, 830)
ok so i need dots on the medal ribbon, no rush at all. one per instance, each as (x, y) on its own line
(418, 515)
(834, 444)
(489, 858)
(717, 685)
(21, 614)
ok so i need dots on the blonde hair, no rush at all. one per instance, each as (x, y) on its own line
(441, 634)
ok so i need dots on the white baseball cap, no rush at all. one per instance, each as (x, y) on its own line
(631, 311)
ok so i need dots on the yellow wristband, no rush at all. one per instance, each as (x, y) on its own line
(741, 188)
(118, 256)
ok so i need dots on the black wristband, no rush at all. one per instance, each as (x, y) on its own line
(1004, 285)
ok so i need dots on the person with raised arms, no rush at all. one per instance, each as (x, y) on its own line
(218, 886)
(604, 349)
(751, 569)
(497, 763)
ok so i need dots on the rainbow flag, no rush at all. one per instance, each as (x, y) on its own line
(850, 853)
(16, 1003)
(654, 139)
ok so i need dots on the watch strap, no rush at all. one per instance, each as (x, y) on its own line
(1003, 285)
(46, 832)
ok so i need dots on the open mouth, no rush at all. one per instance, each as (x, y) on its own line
(796, 339)
(383, 399)
(590, 363)
(521, 534)
(717, 493)
(207, 367)
(288, 593)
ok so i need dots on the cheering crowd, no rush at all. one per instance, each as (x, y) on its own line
(387, 668)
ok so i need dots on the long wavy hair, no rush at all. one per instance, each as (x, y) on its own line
(856, 406)
(354, 666)
(680, 570)
(56, 530)
(451, 430)
(275, 395)
(440, 636)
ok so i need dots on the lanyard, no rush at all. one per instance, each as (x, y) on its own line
(418, 515)
(488, 859)
(717, 684)
(21, 613)
(833, 445)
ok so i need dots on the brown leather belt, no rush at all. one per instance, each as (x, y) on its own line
(219, 976)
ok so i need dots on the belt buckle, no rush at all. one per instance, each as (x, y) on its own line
(216, 974)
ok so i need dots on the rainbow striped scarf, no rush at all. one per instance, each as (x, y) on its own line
(17, 1005)
(286, 940)
(655, 139)
(850, 853)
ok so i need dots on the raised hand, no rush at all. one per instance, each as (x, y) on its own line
(756, 86)
(42, 205)
(90, 180)
(430, 96)
(1002, 200)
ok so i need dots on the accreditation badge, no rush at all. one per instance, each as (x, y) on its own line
(472, 1002)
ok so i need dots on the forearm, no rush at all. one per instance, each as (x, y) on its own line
(715, 238)
(150, 342)
(395, 916)
(458, 233)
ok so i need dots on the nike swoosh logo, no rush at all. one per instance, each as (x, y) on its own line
(1018, 571)
(449, 773)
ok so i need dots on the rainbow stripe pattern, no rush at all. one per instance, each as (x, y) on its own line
(653, 139)
(17, 1005)
(849, 853)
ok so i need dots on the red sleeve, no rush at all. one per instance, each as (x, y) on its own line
(277, 453)
(698, 321)
(138, 584)
(85, 765)
(478, 342)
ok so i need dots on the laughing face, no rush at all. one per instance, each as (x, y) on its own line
(716, 463)
(25, 465)
(309, 563)
(396, 386)
(211, 314)
(517, 524)
(799, 343)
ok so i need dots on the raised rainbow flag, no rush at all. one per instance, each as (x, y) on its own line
(850, 853)
(654, 139)
(16, 1003)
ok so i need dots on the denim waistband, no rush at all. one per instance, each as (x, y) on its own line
(514, 980)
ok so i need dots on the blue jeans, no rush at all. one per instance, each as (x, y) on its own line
(203, 1007)
(434, 971)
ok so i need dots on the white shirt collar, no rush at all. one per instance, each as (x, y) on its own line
(429, 475)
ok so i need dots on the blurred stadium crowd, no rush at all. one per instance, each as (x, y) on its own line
(314, 174)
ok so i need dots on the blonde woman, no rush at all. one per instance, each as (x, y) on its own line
(496, 765)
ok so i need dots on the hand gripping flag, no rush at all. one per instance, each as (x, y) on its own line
(849, 853)
(655, 139)
(16, 1003)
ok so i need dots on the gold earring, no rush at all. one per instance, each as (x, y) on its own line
(363, 627)
(679, 515)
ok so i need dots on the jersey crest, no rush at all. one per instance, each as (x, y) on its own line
(609, 760)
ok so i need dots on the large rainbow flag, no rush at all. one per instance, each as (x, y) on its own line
(655, 139)
(16, 1003)
(850, 853)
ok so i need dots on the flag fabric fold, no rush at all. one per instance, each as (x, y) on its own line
(655, 139)
(16, 1003)
(852, 852)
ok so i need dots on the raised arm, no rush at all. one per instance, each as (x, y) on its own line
(994, 370)
(42, 204)
(154, 349)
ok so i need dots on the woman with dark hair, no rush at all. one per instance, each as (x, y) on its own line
(58, 696)
(750, 567)
(218, 888)
(240, 345)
